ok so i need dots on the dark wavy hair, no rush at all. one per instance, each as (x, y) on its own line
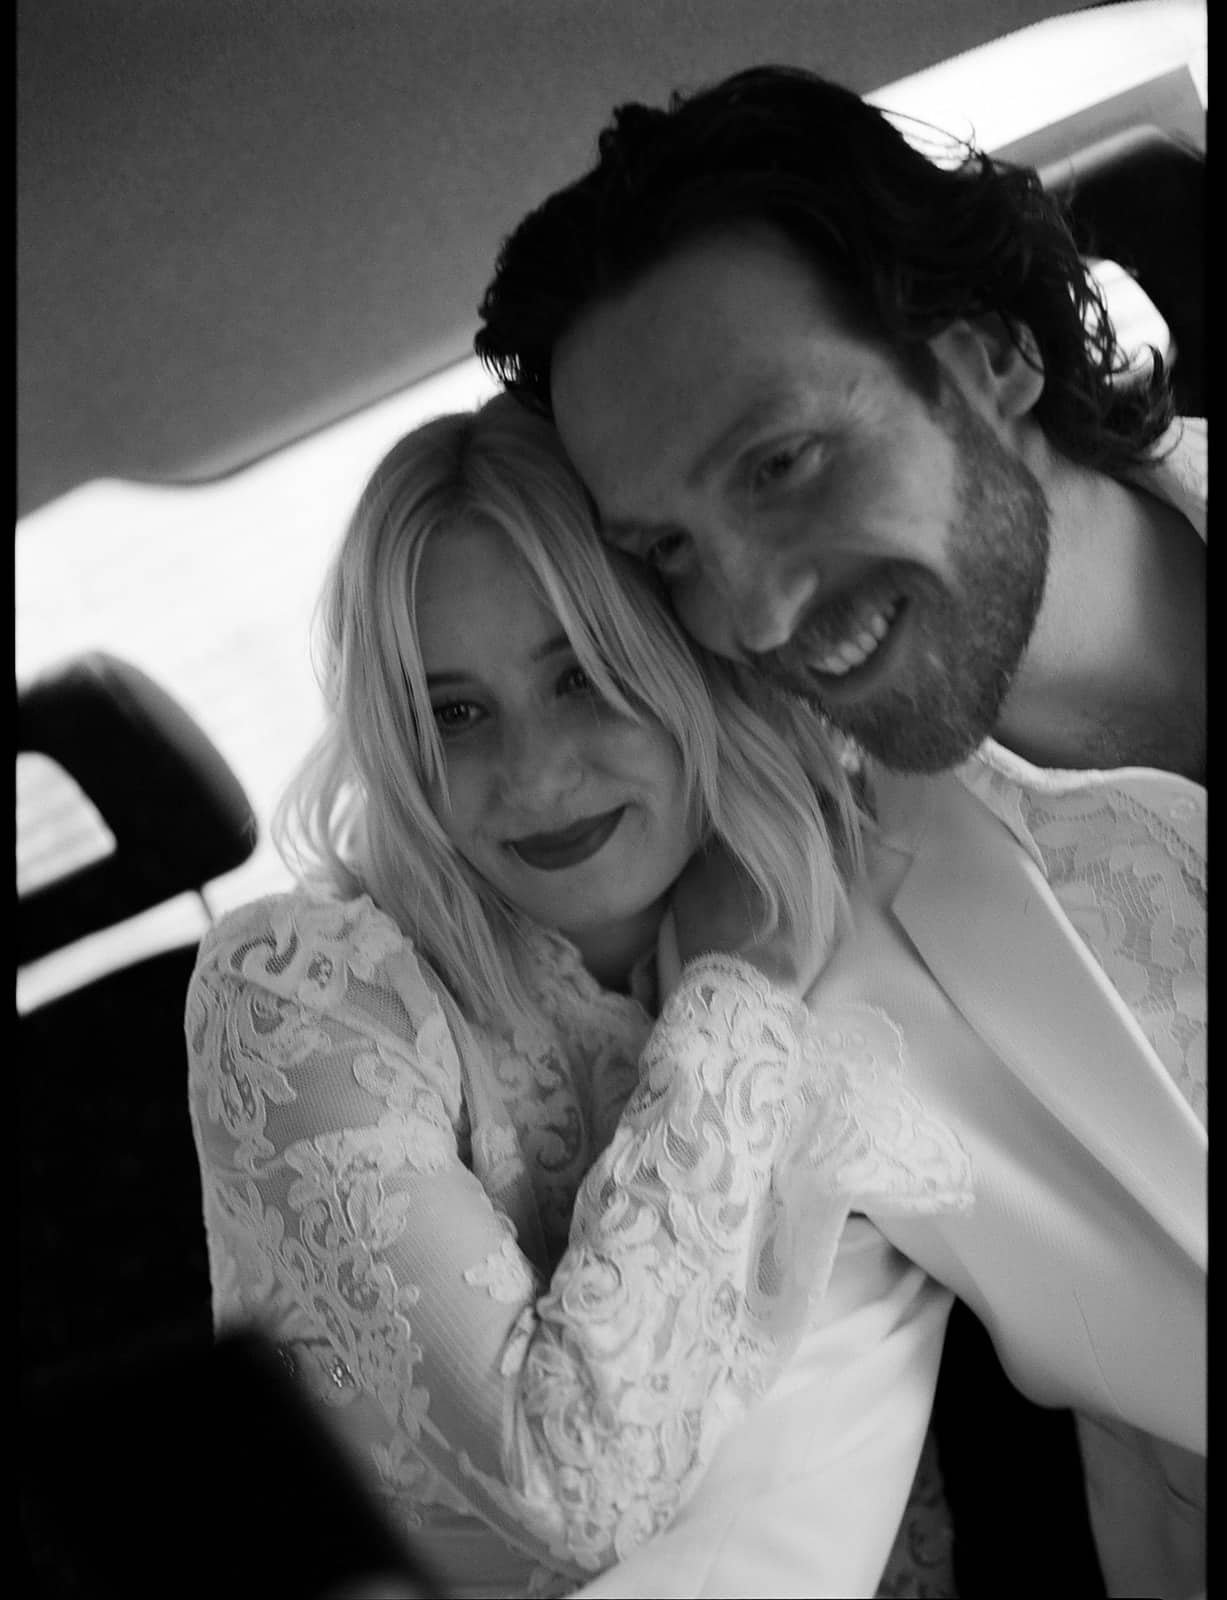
(916, 241)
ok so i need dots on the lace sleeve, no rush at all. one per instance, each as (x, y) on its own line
(342, 1211)
(698, 1239)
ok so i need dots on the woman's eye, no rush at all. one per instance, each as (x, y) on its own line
(667, 552)
(455, 716)
(575, 681)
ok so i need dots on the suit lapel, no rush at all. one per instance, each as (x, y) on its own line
(989, 928)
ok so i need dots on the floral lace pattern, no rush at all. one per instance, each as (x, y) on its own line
(1125, 855)
(387, 1189)
(1125, 851)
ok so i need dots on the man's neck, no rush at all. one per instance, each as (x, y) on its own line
(1115, 672)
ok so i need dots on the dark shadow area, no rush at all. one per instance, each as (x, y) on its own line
(1013, 1476)
(1139, 198)
(196, 1468)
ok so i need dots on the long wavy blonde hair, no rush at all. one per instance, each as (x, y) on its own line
(761, 771)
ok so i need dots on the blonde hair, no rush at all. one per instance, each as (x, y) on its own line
(761, 772)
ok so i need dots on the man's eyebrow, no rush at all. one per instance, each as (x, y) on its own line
(557, 645)
(770, 408)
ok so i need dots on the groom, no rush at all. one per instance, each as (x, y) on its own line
(865, 415)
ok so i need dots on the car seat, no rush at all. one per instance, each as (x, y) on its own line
(111, 1246)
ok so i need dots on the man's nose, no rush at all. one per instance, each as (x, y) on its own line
(752, 602)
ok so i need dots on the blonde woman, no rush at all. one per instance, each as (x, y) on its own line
(514, 1129)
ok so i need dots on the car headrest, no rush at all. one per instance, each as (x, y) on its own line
(178, 814)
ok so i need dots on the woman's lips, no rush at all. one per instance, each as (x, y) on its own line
(549, 852)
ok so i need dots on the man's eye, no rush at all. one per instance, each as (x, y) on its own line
(771, 469)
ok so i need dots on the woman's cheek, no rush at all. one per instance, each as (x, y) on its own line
(465, 801)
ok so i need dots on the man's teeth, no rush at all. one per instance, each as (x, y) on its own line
(856, 651)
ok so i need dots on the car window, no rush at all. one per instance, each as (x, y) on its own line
(209, 590)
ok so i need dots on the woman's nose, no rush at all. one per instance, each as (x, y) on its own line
(541, 762)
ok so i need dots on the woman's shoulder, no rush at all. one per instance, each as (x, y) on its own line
(309, 914)
(294, 973)
(307, 942)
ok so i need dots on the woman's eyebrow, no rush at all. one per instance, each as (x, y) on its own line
(555, 646)
(625, 531)
(558, 644)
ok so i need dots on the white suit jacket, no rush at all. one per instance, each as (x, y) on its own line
(1085, 1253)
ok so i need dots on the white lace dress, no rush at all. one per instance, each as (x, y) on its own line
(537, 1279)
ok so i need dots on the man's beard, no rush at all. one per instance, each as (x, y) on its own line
(970, 634)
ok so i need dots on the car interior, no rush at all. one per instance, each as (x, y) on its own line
(240, 225)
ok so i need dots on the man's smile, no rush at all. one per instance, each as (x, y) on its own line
(842, 639)
(858, 646)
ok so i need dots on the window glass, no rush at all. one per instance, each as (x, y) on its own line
(210, 590)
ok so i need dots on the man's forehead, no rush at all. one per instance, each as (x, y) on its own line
(731, 312)
(634, 478)
(626, 434)
(723, 270)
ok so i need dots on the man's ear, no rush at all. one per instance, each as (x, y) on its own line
(995, 365)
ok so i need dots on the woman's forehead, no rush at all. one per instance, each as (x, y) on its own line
(479, 605)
